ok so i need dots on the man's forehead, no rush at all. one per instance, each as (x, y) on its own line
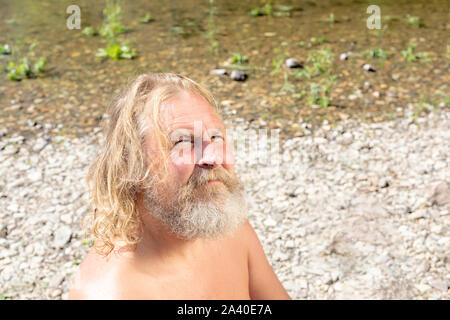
(187, 112)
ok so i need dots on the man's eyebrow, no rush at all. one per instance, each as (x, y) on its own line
(216, 131)
(190, 131)
(180, 131)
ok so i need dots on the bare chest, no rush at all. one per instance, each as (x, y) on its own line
(221, 273)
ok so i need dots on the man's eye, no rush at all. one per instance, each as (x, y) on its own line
(183, 140)
(217, 137)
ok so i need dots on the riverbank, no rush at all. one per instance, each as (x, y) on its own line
(354, 211)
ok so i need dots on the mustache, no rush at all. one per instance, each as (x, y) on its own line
(201, 177)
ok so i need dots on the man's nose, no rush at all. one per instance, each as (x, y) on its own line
(208, 159)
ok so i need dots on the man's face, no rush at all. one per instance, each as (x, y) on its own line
(201, 196)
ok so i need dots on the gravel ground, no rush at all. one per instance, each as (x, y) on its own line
(357, 211)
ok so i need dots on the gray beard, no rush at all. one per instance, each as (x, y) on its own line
(195, 218)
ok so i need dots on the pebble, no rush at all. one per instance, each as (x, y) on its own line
(62, 236)
(238, 75)
(218, 72)
(343, 56)
(269, 222)
(368, 67)
(290, 244)
(383, 183)
(441, 193)
(292, 63)
(342, 235)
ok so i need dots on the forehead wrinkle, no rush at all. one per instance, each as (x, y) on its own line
(209, 122)
(184, 112)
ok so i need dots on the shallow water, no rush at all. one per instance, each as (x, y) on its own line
(77, 87)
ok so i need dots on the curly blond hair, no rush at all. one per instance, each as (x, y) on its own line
(122, 168)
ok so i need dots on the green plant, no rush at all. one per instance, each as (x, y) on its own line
(319, 62)
(377, 53)
(117, 51)
(448, 51)
(319, 40)
(277, 10)
(112, 23)
(5, 49)
(88, 243)
(265, 10)
(24, 69)
(145, 19)
(278, 59)
(414, 20)
(319, 93)
(212, 28)
(89, 31)
(410, 55)
(330, 18)
(239, 58)
(287, 86)
(39, 65)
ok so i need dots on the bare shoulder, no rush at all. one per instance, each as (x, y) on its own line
(99, 277)
(246, 236)
(263, 282)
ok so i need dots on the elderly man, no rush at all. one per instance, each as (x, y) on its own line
(169, 218)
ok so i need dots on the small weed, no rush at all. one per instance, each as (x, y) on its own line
(145, 19)
(410, 55)
(414, 20)
(318, 40)
(88, 243)
(448, 51)
(214, 46)
(112, 24)
(319, 93)
(212, 28)
(318, 62)
(330, 18)
(287, 86)
(117, 51)
(5, 49)
(239, 58)
(278, 60)
(89, 31)
(313, 41)
(24, 69)
(377, 53)
(277, 10)
(265, 10)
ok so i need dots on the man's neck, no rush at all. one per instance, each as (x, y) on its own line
(158, 240)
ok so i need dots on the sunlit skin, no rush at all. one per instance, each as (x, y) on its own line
(162, 266)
